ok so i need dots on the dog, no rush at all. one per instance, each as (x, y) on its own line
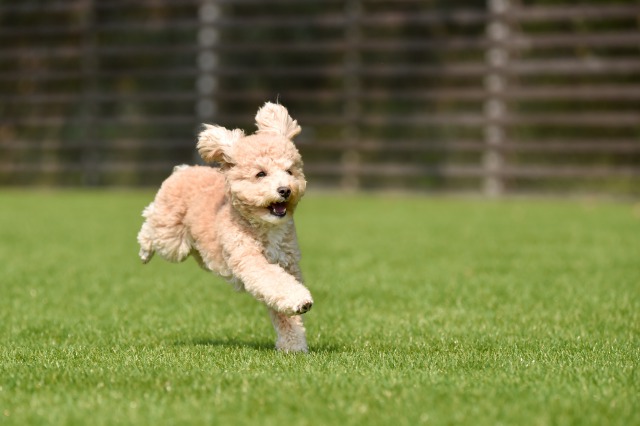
(236, 218)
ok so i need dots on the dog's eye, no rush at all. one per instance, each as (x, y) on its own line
(261, 174)
(289, 171)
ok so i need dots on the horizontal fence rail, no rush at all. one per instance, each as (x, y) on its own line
(503, 96)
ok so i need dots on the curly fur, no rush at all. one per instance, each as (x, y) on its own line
(237, 219)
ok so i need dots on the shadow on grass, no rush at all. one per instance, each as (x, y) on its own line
(260, 345)
(229, 343)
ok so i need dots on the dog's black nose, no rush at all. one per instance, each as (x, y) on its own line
(284, 192)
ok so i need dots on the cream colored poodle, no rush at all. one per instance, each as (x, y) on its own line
(237, 219)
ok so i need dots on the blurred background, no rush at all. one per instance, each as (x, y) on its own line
(493, 97)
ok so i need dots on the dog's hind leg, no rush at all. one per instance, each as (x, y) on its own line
(146, 236)
(163, 233)
(290, 331)
(145, 239)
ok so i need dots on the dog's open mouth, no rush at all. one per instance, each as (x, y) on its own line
(278, 209)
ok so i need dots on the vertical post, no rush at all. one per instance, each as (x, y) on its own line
(497, 57)
(89, 65)
(352, 109)
(207, 83)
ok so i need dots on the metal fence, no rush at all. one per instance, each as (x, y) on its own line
(496, 96)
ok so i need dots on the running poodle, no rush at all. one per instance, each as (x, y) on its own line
(237, 219)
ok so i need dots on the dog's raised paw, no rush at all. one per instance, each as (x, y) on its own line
(305, 307)
(295, 301)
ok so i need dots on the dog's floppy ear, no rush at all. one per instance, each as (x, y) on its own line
(274, 118)
(215, 143)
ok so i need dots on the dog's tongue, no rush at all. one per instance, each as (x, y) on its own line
(279, 208)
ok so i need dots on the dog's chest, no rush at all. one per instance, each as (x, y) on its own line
(274, 248)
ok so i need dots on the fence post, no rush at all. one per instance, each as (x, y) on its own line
(207, 83)
(89, 66)
(352, 109)
(497, 58)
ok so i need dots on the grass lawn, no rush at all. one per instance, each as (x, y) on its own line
(428, 311)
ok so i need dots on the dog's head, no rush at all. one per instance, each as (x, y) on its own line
(264, 170)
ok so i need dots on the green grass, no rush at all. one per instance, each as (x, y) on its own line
(428, 311)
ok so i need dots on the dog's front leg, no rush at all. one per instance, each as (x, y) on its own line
(285, 296)
(290, 331)
(271, 284)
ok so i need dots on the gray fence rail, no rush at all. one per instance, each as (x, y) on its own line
(501, 96)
